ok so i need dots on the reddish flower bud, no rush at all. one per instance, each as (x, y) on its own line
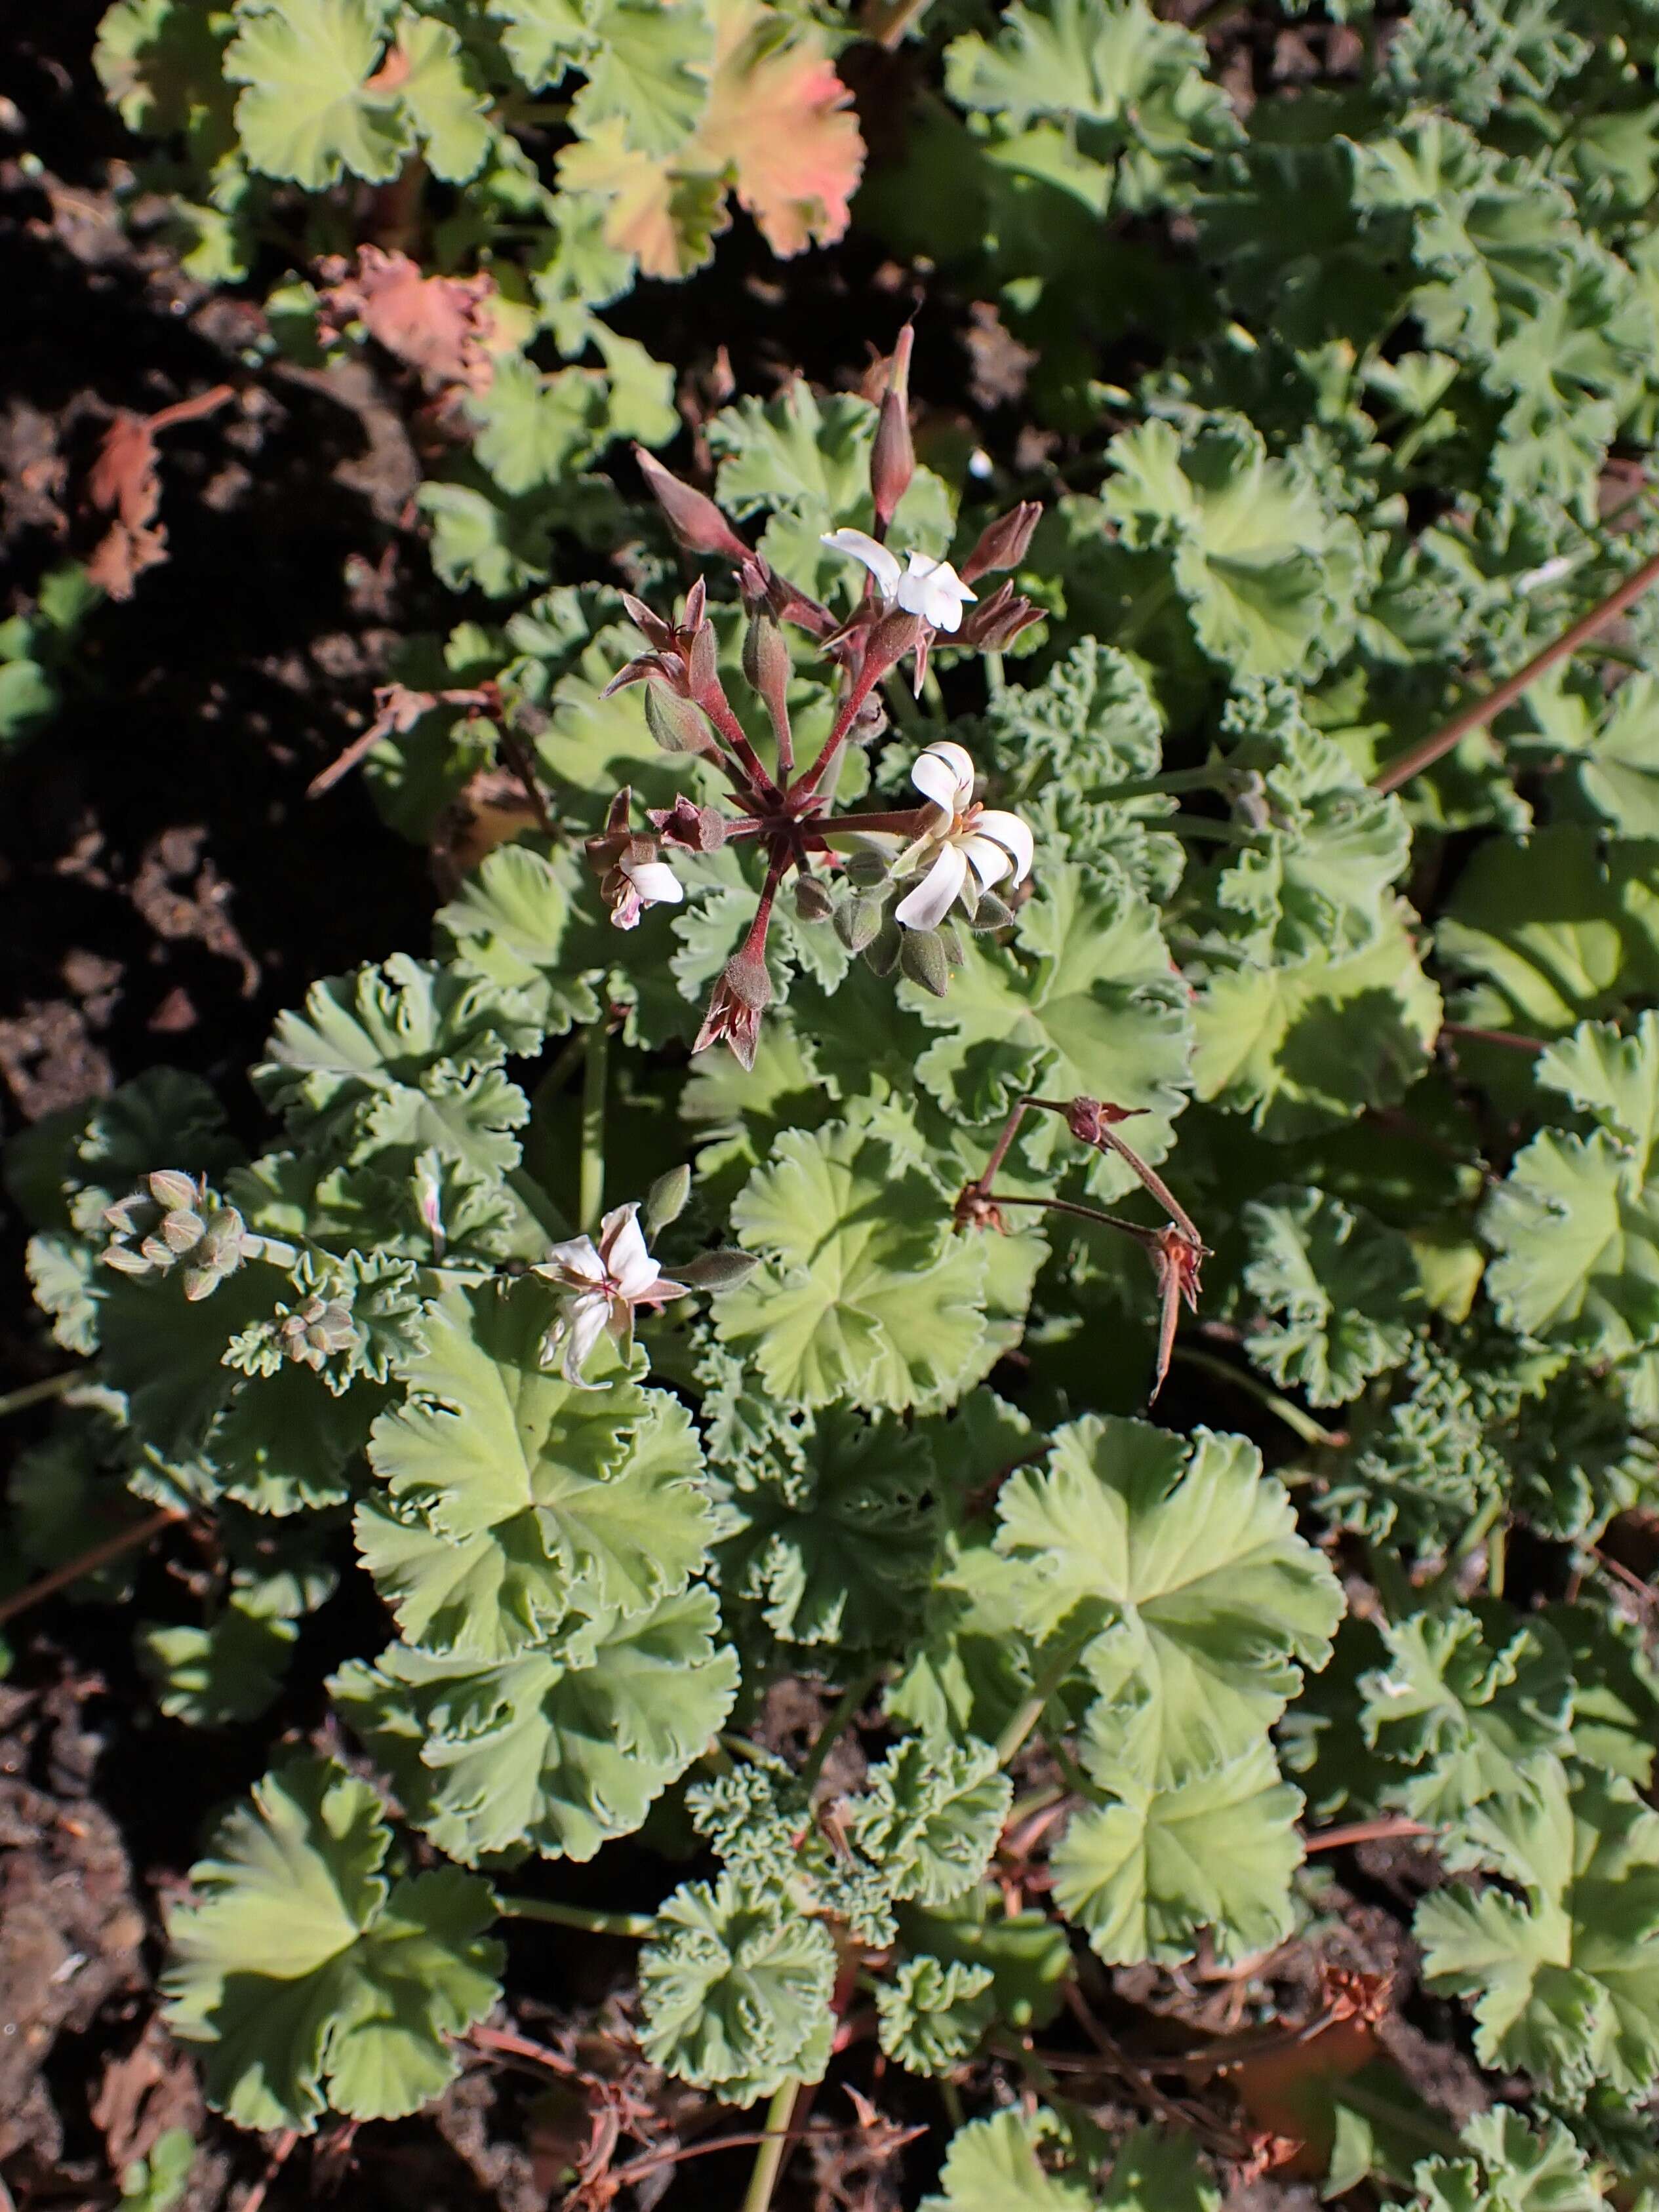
(1086, 1117)
(692, 516)
(768, 667)
(675, 723)
(995, 623)
(892, 458)
(1003, 543)
(740, 999)
(699, 829)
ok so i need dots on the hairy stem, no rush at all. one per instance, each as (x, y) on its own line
(1479, 712)
(851, 1697)
(640, 1926)
(35, 1394)
(88, 1562)
(1272, 1402)
(590, 1201)
(773, 2149)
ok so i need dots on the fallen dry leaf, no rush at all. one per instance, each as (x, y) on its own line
(441, 325)
(124, 482)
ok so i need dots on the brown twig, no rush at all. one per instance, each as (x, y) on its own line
(1366, 1831)
(1479, 712)
(1493, 1036)
(504, 2044)
(518, 756)
(89, 1561)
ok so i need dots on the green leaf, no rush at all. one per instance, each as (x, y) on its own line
(219, 1675)
(444, 97)
(1108, 62)
(1149, 1871)
(1609, 745)
(1087, 1005)
(1564, 1980)
(995, 2165)
(1026, 1954)
(1463, 1699)
(1342, 1290)
(832, 1535)
(155, 2184)
(398, 1057)
(503, 545)
(931, 2014)
(736, 1993)
(543, 37)
(1216, 1600)
(1251, 552)
(1300, 1048)
(1575, 1225)
(515, 922)
(1555, 928)
(930, 1815)
(535, 429)
(650, 68)
(864, 1296)
(1515, 2168)
(307, 111)
(305, 1975)
(561, 1748)
(509, 1485)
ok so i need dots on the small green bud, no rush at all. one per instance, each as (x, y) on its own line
(990, 913)
(674, 722)
(813, 899)
(864, 871)
(172, 1190)
(858, 921)
(666, 1199)
(718, 1271)
(923, 958)
(882, 951)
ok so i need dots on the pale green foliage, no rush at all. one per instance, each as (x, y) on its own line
(561, 1747)
(1341, 1292)
(297, 1963)
(932, 2015)
(1577, 1224)
(864, 1295)
(931, 1813)
(1564, 1980)
(1147, 1870)
(737, 1991)
(511, 1494)
(1014, 2161)
(1512, 2168)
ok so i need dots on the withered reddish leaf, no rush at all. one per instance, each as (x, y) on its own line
(781, 117)
(1288, 2093)
(441, 325)
(667, 218)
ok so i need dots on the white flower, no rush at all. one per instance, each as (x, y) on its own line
(603, 1283)
(961, 835)
(929, 589)
(649, 882)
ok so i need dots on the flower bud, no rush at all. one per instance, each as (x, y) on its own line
(892, 458)
(881, 954)
(699, 829)
(675, 723)
(990, 913)
(866, 869)
(923, 958)
(693, 517)
(722, 1270)
(995, 623)
(813, 899)
(666, 1199)
(768, 666)
(748, 979)
(173, 1188)
(1003, 543)
(858, 922)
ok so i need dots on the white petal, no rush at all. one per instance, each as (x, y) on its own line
(576, 1260)
(926, 906)
(883, 565)
(1008, 829)
(623, 1242)
(655, 882)
(584, 1319)
(944, 773)
(988, 859)
(933, 590)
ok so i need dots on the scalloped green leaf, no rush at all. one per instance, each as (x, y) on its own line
(305, 1978)
(1340, 1290)
(306, 110)
(863, 1295)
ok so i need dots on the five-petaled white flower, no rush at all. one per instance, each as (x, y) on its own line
(604, 1283)
(961, 835)
(649, 882)
(929, 589)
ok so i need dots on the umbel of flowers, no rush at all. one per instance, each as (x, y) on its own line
(909, 873)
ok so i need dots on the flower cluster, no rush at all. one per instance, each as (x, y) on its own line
(906, 875)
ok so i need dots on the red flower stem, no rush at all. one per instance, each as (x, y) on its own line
(808, 785)
(999, 1150)
(1479, 712)
(904, 822)
(1493, 1036)
(1148, 1176)
(717, 707)
(1146, 1238)
(1365, 1832)
(88, 1562)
